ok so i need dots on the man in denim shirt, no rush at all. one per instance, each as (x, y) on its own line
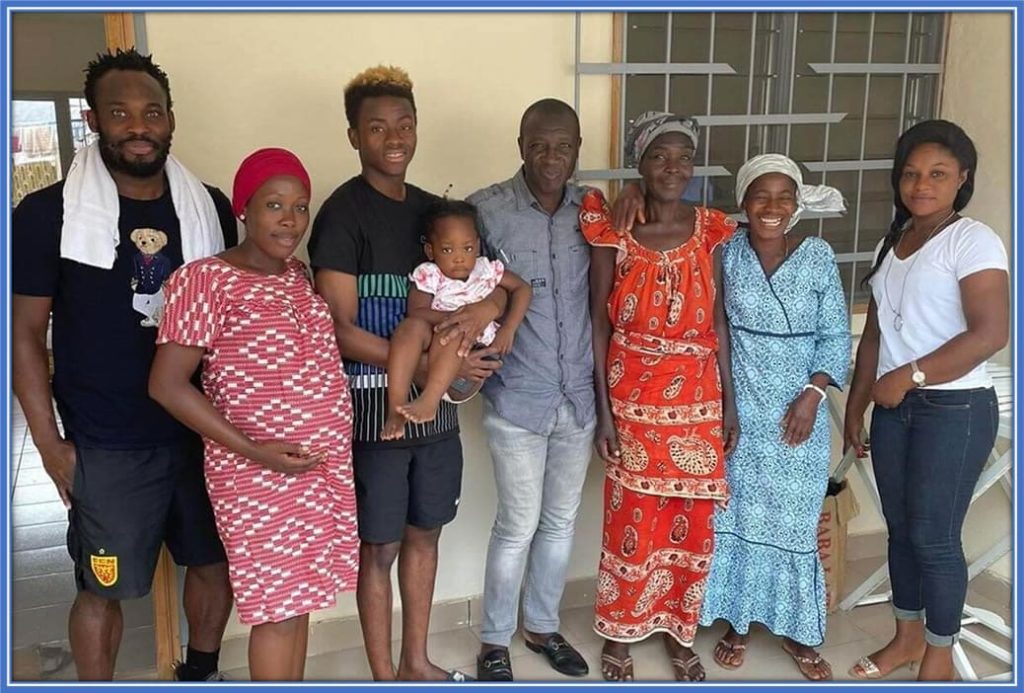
(539, 407)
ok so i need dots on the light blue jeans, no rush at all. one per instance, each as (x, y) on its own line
(539, 480)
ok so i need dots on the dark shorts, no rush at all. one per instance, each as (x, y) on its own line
(125, 504)
(417, 485)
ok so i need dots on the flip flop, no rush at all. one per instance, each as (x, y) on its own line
(816, 661)
(688, 666)
(625, 667)
(730, 648)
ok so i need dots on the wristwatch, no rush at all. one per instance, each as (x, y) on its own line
(917, 375)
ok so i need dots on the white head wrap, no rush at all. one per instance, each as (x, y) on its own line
(816, 198)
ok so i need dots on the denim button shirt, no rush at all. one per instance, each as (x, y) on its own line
(552, 360)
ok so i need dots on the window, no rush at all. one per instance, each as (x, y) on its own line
(47, 132)
(831, 90)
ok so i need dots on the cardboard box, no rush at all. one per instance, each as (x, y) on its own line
(840, 506)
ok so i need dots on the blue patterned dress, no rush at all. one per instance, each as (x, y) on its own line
(784, 328)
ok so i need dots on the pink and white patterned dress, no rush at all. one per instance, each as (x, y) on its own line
(451, 294)
(271, 366)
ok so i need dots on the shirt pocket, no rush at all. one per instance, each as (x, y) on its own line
(528, 264)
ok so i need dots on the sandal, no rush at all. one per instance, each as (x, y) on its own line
(807, 665)
(623, 666)
(731, 648)
(691, 669)
(866, 670)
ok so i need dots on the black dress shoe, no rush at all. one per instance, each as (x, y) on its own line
(494, 665)
(562, 656)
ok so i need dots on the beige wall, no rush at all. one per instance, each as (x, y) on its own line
(242, 81)
(49, 50)
(978, 95)
(247, 80)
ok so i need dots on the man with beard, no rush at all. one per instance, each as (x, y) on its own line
(129, 473)
(539, 408)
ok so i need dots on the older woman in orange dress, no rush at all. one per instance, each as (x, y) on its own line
(665, 414)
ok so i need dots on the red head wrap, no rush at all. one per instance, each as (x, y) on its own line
(261, 166)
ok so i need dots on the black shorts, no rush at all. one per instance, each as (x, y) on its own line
(126, 503)
(418, 485)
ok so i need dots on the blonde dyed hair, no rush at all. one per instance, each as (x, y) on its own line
(381, 80)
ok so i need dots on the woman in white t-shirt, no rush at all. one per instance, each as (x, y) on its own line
(939, 310)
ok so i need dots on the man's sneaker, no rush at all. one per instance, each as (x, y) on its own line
(215, 676)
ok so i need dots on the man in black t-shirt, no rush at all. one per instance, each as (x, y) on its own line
(366, 239)
(130, 474)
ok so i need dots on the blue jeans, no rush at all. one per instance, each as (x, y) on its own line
(539, 480)
(927, 455)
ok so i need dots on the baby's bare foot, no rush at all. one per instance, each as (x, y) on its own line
(419, 410)
(394, 426)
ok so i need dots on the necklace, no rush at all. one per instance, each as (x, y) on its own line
(897, 320)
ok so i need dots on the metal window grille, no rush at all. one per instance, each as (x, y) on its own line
(832, 90)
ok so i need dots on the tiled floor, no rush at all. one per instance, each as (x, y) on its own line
(43, 585)
(850, 636)
(44, 588)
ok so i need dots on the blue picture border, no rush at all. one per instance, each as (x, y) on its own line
(10, 6)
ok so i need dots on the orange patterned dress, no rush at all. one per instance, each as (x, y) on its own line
(666, 399)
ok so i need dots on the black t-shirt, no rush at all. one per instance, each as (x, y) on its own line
(104, 321)
(361, 232)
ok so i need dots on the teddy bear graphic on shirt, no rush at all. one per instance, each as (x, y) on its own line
(150, 269)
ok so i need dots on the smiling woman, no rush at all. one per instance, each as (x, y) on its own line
(275, 210)
(665, 415)
(939, 311)
(790, 340)
(266, 342)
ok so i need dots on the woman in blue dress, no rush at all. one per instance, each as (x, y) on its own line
(790, 341)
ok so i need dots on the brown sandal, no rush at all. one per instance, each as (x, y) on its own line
(624, 667)
(733, 648)
(808, 665)
(690, 669)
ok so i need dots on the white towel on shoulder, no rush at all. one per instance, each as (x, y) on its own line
(90, 233)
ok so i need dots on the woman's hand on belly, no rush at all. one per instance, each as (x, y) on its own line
(287, 458)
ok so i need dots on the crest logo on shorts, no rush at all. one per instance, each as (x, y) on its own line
(104, 568)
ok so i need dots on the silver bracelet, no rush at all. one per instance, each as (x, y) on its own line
(812, 386)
